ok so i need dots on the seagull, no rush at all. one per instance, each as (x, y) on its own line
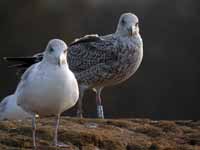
(9, 110)
(101, 61)
(48, 87)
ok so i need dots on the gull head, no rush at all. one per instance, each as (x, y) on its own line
(56, 52)
(128, 25)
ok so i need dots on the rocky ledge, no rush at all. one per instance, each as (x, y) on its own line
(108, 134)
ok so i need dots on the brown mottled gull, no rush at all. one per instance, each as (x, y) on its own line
(100, 61)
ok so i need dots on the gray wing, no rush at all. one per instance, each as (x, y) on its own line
(25, 77)
(91, 51)
(28, 72)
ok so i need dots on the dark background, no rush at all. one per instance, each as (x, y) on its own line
(166, 86)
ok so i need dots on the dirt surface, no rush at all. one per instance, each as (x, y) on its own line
(108, 134)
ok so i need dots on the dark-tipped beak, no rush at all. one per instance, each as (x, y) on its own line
(131, 30)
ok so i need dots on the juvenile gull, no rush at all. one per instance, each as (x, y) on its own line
(100, 61)
(49, 87)
(9, 110)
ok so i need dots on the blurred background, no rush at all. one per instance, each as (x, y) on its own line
(167, 84)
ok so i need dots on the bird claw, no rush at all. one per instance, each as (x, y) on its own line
(91, 125)
(62, 145)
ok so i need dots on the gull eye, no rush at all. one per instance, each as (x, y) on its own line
(137, 24)
(123, 21)
(51, 49)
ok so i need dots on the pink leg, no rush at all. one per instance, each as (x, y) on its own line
(34, 130)
(56, 134)
(80, 101)
(100, 113)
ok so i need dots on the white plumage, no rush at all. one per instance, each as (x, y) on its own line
(49, 87)
(9, 110)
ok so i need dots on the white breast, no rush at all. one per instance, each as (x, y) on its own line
(49, 91)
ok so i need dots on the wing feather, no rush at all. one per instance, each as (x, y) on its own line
(85, 39)
(90, 51)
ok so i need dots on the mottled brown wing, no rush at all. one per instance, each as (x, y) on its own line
(90, 51)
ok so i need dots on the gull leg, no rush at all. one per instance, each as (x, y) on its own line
(80, 109)
(56, 144)
(56, 130)
(34, 130)
(80, 101)
(100, 113)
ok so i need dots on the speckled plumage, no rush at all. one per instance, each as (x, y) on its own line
(107, 61)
